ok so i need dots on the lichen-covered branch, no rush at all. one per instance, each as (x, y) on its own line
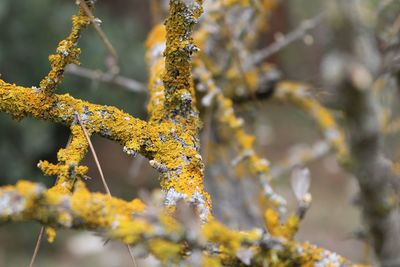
(67, 52)
(177, 79)
(172, 107)
(68, 170)
(356, 67)
(300, 155)
(170, 141)
(155, 46)
(226, 116)
(106, 121)
(374, 174)
(166, 237)
(298, 94)
(172, 150)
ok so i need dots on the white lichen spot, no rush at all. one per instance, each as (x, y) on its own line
(172, 197)
(157, 50)
(97, 21)
(158, 166)
(332, 134)
(186, 97)
(5, 201)
(330, 259)
(198, 200)
(115, 224)
(11, 204)
(207, 99)
(130, 151)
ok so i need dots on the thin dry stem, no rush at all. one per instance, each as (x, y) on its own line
(111, 50)
(132, 256)
(106, 77)
(38, 242)
(281, 43)
(103, 179)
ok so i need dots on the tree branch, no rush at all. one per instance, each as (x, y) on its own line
(106, 121)
(106, 77)
(167, 238)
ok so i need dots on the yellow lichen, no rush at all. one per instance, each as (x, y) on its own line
(258, 166)
(230, 240)
(299, 95)
(156, 36)
(177, 79)
(129, 222)
(172, 105)
(276, 228)
(209, 261)
(166, 251)
(107, 121)
(66, 53)
(51, 234)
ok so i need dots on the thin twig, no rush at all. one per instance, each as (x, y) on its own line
(132, 256)
(101, 174)
(111, 50)
(97, 75)
(112, 63)
(35, 252)
(103, 179)
(289, 38)
(300, 156)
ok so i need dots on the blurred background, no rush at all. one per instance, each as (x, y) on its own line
(30, 31)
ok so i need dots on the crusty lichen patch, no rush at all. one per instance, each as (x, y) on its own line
(177, 79)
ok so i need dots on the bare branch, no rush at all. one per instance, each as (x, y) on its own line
(298, 33)
(106, 77)
(299, 155)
